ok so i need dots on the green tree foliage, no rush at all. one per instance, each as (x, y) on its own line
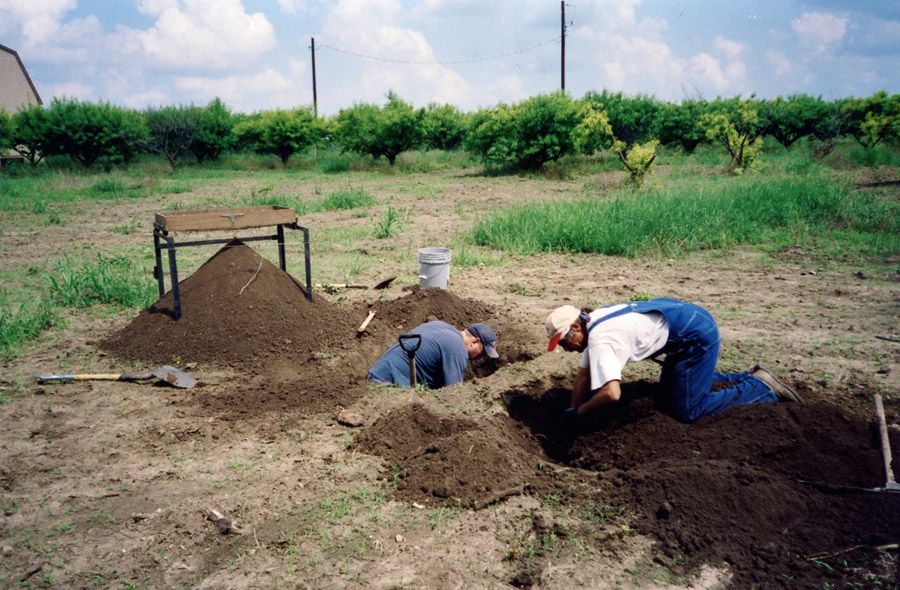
(595, 133)
(29, 129)
(172, 130)
(6, 130)
(286, 132)
(736, 125)
(247, 133)
(213, 135)
(633, 119)
(388, 131)
(526, 135)
(827, 127)
(443, 126)
(874, 119)
(637, 158)
(789, 119)
(678, 124)
(91, 133)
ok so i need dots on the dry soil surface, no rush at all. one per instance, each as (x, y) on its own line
(284, 468)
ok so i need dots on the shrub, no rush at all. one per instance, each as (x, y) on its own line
(526, 135)
(172, 130)
(29, 133)
(91, 133)
(213, 134)
(388, 131)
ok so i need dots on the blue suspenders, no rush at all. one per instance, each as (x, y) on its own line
(629, 308)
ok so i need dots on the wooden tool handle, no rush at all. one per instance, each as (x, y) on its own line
(885, 441)
(79, 377)
(362, 326)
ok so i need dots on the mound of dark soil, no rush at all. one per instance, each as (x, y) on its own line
(764, 489)
(437, 458)
(237, 307)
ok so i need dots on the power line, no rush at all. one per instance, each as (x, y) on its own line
(439, 63)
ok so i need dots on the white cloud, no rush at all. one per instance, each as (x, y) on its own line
(264, 90)
(201, 33)
(819, 30)
(782, 64)
(39, 19)
(293, 6)
(68, 90)
(731, 49)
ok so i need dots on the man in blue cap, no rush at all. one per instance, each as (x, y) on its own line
(441, 359)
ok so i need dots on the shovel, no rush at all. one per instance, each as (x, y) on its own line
(335, 286)
(410, 343)
(166, 374)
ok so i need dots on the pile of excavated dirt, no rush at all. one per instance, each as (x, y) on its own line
(771, 491)
(433, 458)
(236, 308)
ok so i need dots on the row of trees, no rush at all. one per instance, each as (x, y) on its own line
(525, 135)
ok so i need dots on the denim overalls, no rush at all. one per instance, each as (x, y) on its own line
(689, 370)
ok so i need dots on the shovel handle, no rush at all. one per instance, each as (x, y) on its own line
(67, 377)
(885, 443)
(410, 343)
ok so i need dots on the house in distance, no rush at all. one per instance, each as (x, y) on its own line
(16, 88)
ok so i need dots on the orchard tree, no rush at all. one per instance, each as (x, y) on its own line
(874, 119)
(787, 120)
(595, 133)
(735, 124)
(443, 126)
(827, 127)
(213, 134)
(91, 133)
(247, 133)
(633, 119)
(388, 131)
(678, 124)
(526, 135)
(29, 133)
(172, 130)
(287, 132)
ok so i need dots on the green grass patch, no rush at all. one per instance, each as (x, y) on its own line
(114, 280)
(23, 322)
(708, 214)
(346, 199)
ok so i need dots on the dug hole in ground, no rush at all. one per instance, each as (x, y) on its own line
(471, 486)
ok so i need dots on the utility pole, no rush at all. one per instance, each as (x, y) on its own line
(312, 47)
(562, 57)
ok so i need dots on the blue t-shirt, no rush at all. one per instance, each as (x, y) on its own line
(441, 359)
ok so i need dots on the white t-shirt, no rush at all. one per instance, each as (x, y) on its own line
(614, 342)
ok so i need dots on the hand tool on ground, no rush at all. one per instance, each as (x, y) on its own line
(166, 374)
(891, 484)
(410, 343)
(362, 326)
(334, 286)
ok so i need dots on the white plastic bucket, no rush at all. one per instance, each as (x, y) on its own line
(434, 267)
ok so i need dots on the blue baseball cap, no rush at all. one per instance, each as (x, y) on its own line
(486, 335)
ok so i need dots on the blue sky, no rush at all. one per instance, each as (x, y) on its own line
(254, 54)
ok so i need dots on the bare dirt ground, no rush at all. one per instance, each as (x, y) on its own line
(328, 481)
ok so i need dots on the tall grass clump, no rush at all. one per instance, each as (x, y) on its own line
(115, 280)
(346, 199)
(23, 322)
(710, 214)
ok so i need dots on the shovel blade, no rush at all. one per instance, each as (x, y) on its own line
(174, 377)
(385, 283)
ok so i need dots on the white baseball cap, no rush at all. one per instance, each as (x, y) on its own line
(558, 323)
